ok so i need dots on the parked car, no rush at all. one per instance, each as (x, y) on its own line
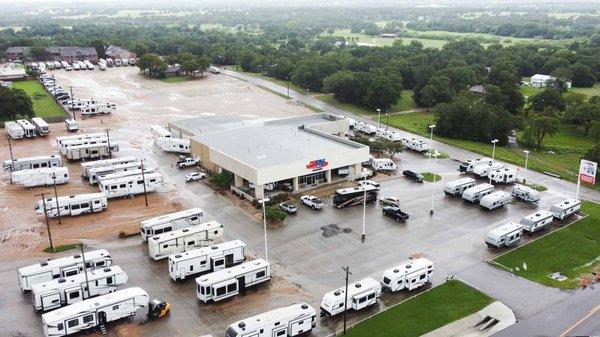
(288, 207)
(413, 176)
(395, 213)
(187, 162)
(194, 176)
(312, 202)
(390, 201)
(369, 182)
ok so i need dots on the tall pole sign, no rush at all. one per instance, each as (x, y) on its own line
(587, 174)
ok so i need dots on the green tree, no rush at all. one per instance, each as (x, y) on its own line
(583, 76)
(274, 213)
(550, 97)
(13, 103)
(595, 132)
(593, 154)
(539, 127)
(152, 65)
(37, 52)
(189, 66)
(437, 91)
(223, 179)
(345, 86)
(100, 47)
(583, 115)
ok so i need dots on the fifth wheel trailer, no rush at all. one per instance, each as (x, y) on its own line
(61, 267)
(170, 222)
(483, 170)
(409, 275)
(130, 186)
(87, 166)
(361, 294)
(93, 312)
(179, 241)
(467, 166)
(175, 145)
(73, 205)
(293, 320)
(96, 172)
(29, 163)
(41, 177)
(60, 140)
(206, 259)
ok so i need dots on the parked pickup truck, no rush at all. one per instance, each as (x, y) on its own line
(312, 202)
(395, 213)
(187, 162)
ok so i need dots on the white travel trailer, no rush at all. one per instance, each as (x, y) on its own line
(176, 145)
(503, 176)
(409, 275)
(76, 65)
(57, 65)
(159, 131)
(132, 61)
(64, 64)
(66, 139)
(14, 130)
(79, 142)
(71, 125)
(495, 200)
(294, 320)
(28, 128)
(102, 66)
(131, 185)
(29, 163)
(229, 282)
(415, 144)
(182, 240)
(389, 135)
(50, 65)
(565, 208)
(170, 222)
(110, 62)
(118, 62)
(475, 193)
(123, 174)
(41, 126)
(506, 235)
(93, 312)
(93, 110)
(79, 103)
(65, 291)
(73, 205)
(361, 294)
(525, 193)
(206, 259)
(458, 186)
(88, 65)
(539, 220)
(61, 267)
(96, 172)
(383, 164)
(483, 170)
(468, 165)
(41, 177)
(365, 128)
(125, 62)
(87, 166)
(90, 151)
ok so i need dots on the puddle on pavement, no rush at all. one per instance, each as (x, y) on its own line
(334, 229)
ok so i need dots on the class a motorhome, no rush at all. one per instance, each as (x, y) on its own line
(409, 275)
(175, 145)
(62, 267)
(206, 259)
(565, 208)
(232, 281)
(28, 128)
(467, 166)
(131, 185)
(475, 193)
(159, 131)
(525, 193)
(361, 294)
(96, 172)
(179, 241)
(495, 200)
(29, 163)
(41, 177)
(415, 144)
(353, 196)
(389, 135)
(294, 320)
(41, 127)
(458, 186)
(483, 170)
(383, 164)
(14, 130)
(539, 220)
(93, 312)
(73, 205)
(170, 222)
(87, 166)
(506, 235)
(90, 151)
(503, 176)
(64, 291)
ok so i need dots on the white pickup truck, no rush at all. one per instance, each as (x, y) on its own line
(187, 162)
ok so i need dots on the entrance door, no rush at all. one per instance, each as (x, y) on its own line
(228, 260)
(241, 284)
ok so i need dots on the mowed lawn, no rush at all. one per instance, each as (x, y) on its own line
(43, 104)
(572, 251)
(529, 91)
(428, 311)
(405, 103)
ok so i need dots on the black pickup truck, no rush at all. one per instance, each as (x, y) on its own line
(395, 213)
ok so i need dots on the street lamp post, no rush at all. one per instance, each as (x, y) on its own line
(12, 159)
(494, 141)
(364, 224)
(525, 172)
(387, 120)
(263, 201)
(378, 117)
(431, 127)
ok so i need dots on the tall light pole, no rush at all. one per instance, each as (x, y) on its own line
(525, 172)
(12, 159)
(378, 117)
(494, 141)
(87, 282)
(263, 201)
(364, 224)
(431, 127)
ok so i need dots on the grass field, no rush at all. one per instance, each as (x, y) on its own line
(43, 104)
(404, 104)
(428, 176)
(441, 305)
(62, 248)
(176, 79)
(572, 251)
(589, 92)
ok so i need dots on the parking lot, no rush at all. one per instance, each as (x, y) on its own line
(306, 259)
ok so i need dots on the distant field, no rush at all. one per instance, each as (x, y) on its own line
(404, 104)
(43, 104)
(589, 92)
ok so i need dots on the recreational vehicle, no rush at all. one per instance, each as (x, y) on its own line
(383, 164)
(61, 267)
(123, 174)
(102, 66)
(361, 294)
(50, 65)
(525, 193)
(93, 110)
(207, 259)
(475, 193)
(41, 177)
(565, 208)
(506, 235)
(503, 176)
(110, 62)
(458, 186)
(68, 290)
(389, 135)
(352, 196)
(365, 128)
(91, 151)
(41, 127)
(64, 64)
(132, 61)
(76, 65)
(159, 131)
(79, 103)
(71, 125)
(176, 145)
(170, 222)
(468, 165)
(415, 144)
(130, 186)
(409, 275)
(66, 144)
(495, 200)
(29, 163)
(28, 128)
(14, 130)
(67, 139)
(539, 220)
(95, 172)
(93, 312)
(232, 281)
(179, 241)
(125, 62)
(73, 205)
(483, 170)
(87, 166)
(88, 65)
(294, 320)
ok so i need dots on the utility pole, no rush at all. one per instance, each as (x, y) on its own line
(144, 180)
(54, 84)
(87, 282)
(110, 151)
(288, 86)
(56, 197)
(347, 270)
(72, 107)
(47, 222)
(12, 160)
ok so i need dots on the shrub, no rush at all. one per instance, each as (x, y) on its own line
(223, 179)
(273, 213)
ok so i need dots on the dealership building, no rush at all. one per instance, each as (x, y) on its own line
(297, 152)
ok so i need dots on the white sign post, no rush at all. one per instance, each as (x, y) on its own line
(587, 174)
